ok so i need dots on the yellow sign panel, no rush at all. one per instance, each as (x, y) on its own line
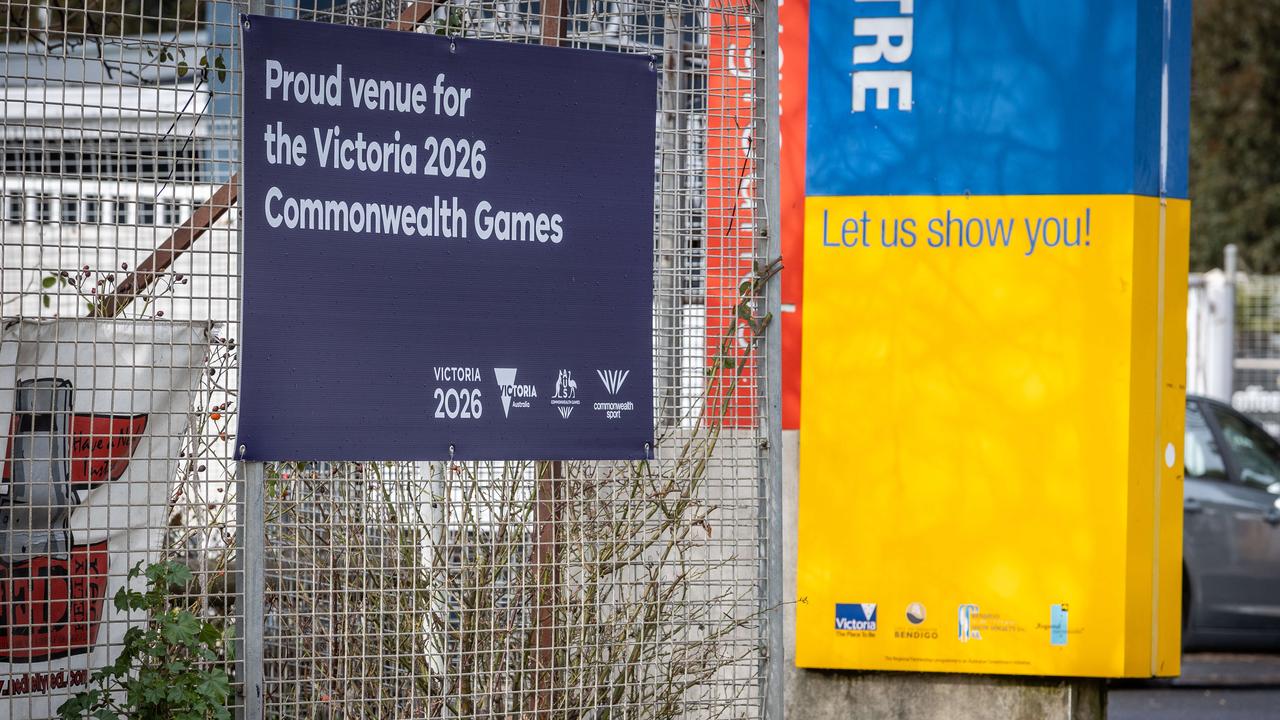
(991, 434)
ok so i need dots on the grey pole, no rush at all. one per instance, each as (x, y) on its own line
(1229, 322)
(253, 567)
(774, 632)
(251, 508)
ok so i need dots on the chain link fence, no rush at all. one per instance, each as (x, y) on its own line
(480, 589)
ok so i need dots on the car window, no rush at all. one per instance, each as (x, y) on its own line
(1256, 452)
(1201, 459)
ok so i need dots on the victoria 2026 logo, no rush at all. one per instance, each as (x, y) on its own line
(52, 591)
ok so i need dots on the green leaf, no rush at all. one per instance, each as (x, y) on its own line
(49, 282)
(215, 686)
(182, 630)
(44, 300)
(77, 705)
(210, 634)
(183, 68)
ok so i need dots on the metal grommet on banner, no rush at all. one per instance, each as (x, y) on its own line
(648, 451)
(451, 450)
(242, 452)
(453, 45)
(244, 21)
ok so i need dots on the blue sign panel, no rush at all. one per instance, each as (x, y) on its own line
(998, 97)
(447, 247)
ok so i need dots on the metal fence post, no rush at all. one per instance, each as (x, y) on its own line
(1229, 322)
(1220, 293)
(252, 513)
(253, 586)
(773, 654)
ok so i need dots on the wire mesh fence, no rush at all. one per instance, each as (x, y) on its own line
(478, 589)
(1256, 390)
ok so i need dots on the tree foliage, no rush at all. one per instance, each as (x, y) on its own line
(70, 22)
(1235, 133)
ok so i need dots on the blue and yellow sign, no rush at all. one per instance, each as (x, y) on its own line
(996, 260)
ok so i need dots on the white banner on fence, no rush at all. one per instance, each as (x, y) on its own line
(96, 411)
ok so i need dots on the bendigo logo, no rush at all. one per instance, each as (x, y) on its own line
(52, 591)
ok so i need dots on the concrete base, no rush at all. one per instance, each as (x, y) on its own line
(832, 695)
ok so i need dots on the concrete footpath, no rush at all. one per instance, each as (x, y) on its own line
(1222, 686)
(1222, 670)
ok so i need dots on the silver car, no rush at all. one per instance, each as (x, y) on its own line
(1231, 531)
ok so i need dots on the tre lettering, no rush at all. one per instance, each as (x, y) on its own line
(892, 39)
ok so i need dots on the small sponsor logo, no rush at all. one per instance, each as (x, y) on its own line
(511, 393)
(1058, 624)
(973, 624)
(856, 617)
(915, 613)
(965, 621)
(613, 379)
(565, 398)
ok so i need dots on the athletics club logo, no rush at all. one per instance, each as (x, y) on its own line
(52, 591)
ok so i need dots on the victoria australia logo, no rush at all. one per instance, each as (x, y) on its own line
(565, 398)
(856, 617)
(512, 394)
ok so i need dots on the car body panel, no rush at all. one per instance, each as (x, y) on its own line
(1231, 541)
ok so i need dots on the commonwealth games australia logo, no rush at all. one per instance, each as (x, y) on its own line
(565, 398)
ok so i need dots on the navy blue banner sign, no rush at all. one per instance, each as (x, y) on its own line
(447, 247)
